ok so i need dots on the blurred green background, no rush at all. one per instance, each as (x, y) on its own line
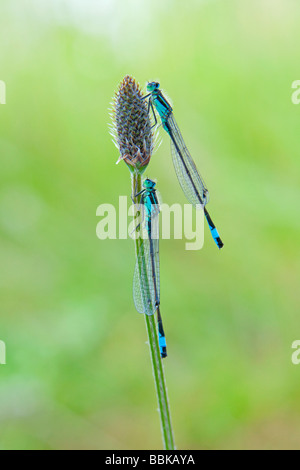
(78, 373)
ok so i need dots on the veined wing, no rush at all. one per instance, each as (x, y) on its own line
(146, 280)
(189, 178)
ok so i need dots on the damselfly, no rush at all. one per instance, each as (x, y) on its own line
(189, 178)
(146, 285)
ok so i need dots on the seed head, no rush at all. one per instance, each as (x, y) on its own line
(131, 127)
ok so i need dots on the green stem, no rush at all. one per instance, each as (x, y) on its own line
(157, 366)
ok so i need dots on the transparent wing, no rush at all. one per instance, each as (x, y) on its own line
(146, 280)
(188, 176)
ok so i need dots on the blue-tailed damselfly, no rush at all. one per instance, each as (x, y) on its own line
(146, 281)
(189, 178)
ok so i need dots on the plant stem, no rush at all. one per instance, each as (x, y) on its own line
(157, 366)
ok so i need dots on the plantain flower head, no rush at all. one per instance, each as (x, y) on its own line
(131, 128)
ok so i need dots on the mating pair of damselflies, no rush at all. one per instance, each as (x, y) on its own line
(146, 279)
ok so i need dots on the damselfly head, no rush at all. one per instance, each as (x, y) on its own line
(149, 184)
(152, 86)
